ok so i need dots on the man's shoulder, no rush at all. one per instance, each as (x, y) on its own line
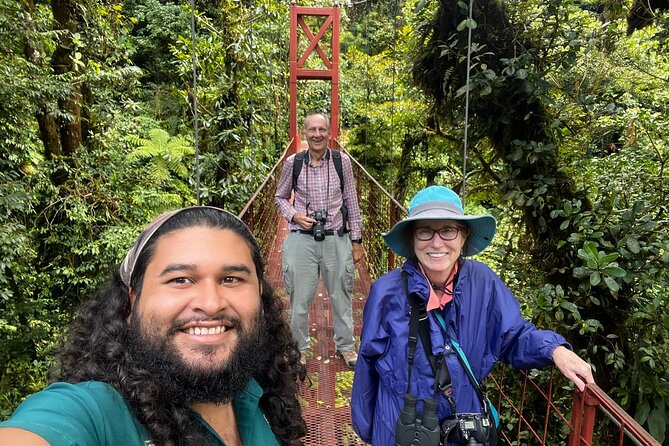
(93, 389)
(83, 397)
(342, 155)
(287, 168)
(289, 161)
(90, 412)
(256, 428)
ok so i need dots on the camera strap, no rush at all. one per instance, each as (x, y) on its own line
(419, 326)
(419, 323)
(487, 406)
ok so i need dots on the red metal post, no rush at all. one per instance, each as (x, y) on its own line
(576, 419)
(583, 413)
(330, 72)
(292, 131)
(334, 83)
(589, 413)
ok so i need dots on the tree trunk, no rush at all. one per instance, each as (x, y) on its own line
(66, 13)
(48, 127)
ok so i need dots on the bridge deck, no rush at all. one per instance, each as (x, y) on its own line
(326, 394)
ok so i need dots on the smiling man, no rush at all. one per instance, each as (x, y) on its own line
(325, 234)
(185, 345)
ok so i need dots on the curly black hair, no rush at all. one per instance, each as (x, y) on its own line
(95, 348)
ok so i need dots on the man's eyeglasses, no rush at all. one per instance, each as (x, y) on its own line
(447, 233)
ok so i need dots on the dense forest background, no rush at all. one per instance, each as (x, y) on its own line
(567, 147)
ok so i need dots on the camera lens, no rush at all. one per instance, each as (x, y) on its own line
(319, 225)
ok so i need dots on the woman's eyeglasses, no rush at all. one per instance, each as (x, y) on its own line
(448, 233)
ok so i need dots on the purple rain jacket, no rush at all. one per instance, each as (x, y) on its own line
(483, 317)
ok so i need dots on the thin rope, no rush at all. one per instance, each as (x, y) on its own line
(367, 87)
(273, 113)
(392, 104)
(466, 140)
(195, 117)
(253, 78)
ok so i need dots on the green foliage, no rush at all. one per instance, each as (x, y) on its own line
(165, 157)
(155, 27)
(237, 80)
(599, 267)
(567, 147)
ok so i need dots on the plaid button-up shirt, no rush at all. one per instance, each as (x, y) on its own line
(318, 187)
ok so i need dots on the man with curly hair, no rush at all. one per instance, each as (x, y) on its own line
(184, 345)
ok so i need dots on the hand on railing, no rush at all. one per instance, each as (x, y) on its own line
(573, 367)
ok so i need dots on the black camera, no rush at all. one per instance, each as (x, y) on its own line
(319, 227)
(414, 429)
(467, 428)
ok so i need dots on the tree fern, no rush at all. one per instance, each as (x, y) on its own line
(166, 156)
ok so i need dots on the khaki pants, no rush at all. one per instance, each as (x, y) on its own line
(303, 261)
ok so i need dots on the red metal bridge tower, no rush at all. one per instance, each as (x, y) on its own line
(330, 71)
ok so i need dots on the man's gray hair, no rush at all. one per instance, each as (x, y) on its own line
(327, 120)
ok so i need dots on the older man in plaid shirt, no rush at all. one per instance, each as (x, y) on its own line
(304, 257)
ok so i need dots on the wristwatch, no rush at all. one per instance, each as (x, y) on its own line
(358, 240)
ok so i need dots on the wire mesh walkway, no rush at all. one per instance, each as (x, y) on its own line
(327, 391)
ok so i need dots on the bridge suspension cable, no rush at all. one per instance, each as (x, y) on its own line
(466, 139)
(195, 117)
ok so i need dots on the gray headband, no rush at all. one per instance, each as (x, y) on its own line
(128, 265)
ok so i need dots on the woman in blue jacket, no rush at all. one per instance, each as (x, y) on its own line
(468, 307)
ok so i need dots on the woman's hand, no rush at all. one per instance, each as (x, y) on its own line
(573, 367)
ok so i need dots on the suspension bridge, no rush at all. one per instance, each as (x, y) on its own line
(531, 404)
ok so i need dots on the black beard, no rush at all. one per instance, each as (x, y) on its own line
(184, 384)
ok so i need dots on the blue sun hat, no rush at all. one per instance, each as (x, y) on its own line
(441, 203)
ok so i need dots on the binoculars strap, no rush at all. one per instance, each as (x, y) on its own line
(419, 326)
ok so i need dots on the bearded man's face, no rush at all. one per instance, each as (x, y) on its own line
(197, 326)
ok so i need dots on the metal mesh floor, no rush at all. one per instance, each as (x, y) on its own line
(326, 394)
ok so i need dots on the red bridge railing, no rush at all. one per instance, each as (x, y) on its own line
(585, 409)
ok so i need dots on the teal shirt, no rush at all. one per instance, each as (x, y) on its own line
(94, 413)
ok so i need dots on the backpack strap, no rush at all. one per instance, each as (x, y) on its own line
(298, 162)
(301, 159)
(336, 160)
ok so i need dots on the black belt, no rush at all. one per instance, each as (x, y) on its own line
(302, 231)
